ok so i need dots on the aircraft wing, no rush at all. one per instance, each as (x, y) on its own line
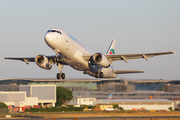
(127, 71)
(52, 59)
(25, 59)
(125, 57)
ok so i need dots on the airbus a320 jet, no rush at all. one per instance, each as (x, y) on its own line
(69, 51)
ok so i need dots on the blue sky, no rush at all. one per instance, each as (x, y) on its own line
(138, 26)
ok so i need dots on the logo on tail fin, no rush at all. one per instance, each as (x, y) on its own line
(110, 97)
(111, 51)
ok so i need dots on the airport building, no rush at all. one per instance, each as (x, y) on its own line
(101, 88)
(17, 100)
(29, 96)
(46, 94)
(82, 101)
(106, 85)
(137, 104)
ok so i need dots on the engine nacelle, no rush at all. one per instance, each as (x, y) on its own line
(43, 62)
(101, 60)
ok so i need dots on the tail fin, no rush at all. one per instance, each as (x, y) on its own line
(112, 47)
(110, 97)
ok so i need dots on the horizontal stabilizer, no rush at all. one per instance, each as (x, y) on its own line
(127, 71)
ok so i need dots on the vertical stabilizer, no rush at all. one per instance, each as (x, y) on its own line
(112, 47)
(110, 97)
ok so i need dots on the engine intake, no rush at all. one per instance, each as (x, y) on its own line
(101, 60)
(43, 62)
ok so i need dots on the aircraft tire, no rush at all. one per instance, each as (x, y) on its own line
(63, 75)
(58, 76)
(101, 75)
(96, 75)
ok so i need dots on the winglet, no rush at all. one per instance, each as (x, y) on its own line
(174, 52)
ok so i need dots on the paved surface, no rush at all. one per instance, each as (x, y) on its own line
(102, 118)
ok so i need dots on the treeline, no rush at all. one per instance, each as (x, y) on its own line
(53, 109)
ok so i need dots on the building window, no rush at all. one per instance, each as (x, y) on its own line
(91, 99)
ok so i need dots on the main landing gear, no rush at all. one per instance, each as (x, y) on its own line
(60, 76)
(101, 75)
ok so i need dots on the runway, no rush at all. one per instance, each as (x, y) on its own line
(164, 115)
(100, 118)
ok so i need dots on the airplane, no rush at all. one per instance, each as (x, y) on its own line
(110, 97)
(69, 51)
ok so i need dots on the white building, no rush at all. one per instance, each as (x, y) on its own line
(46, 93)
(147, 104)
(17, 99)
(82, 101)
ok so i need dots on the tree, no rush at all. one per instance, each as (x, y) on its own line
(120, 108)
(3, 105)
(62, 95)
(115, 106)
(170, 108)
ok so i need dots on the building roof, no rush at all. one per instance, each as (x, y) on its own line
(135, 100)
(115, 101)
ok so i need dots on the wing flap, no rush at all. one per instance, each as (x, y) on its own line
(127, 71)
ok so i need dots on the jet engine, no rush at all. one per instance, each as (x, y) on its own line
(43, 62)
(101, 60)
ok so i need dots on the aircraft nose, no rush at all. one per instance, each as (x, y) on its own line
(48, 38)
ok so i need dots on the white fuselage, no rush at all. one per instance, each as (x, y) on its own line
(72, 52)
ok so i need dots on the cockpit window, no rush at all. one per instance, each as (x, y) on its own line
(54, 31)
(59, 32)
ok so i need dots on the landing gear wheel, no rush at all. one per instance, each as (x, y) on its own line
(101, 75)
(63, 76)
(58, 76)
(96, 75)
